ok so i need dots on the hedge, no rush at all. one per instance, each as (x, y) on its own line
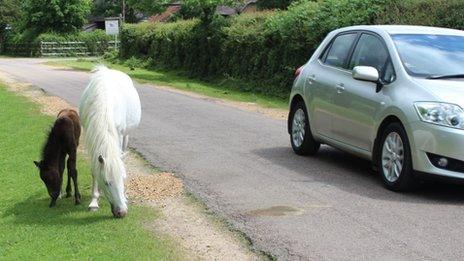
(96, 41)
(263, 49)
(440, 13)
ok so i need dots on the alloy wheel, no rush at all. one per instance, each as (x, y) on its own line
(298, 127)
(392, 157)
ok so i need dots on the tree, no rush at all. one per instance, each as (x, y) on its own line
(128, 8)
(113, 8)
(204, 9)
(107, 8)
(9, 12)
(60, 16)
(148, 7)
(270, 4)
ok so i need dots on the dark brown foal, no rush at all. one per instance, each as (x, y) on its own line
(63, 140)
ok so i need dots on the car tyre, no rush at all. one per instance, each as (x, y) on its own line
(394, 159)
(301, 138)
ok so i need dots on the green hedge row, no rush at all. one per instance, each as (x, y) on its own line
(263, 49)
(96, 42)
(440, 13)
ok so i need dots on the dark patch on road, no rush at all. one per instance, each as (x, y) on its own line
(275, 211)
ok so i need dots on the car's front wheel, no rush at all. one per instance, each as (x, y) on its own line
(301, 137)
(395, 159)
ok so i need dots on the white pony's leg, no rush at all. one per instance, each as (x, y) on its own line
(125, 142)
(93, 206)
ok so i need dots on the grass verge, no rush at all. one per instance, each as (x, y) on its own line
(31, 230)
(221, 89)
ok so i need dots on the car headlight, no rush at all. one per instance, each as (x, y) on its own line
(444, 114)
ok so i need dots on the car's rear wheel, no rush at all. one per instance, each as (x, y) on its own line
(394, 161)
(301, 137)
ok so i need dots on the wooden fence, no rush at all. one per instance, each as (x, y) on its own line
(27, 49)
(60, 49)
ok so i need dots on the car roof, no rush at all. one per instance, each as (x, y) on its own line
(404, 29)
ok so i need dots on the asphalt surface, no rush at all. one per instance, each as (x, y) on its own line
(329, 207)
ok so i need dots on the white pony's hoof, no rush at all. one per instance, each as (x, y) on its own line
(93, 209)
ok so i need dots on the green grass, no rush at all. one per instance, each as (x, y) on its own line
(32, 230)
(222, 89)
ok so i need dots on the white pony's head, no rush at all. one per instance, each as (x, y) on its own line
(111, 183)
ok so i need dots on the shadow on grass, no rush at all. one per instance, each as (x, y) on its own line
(35, 210)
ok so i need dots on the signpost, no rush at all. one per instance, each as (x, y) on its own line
(112, 28)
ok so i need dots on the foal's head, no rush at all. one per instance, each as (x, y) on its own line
(52, 180)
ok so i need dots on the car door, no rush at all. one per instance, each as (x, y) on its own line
(322, 79)
(357, 101)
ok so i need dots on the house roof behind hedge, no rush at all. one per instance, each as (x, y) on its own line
(226, 10)
(164, 16)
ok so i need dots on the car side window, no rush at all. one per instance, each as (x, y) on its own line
(370, 51)
(337, 54)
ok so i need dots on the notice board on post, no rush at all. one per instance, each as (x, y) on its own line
(112, 25)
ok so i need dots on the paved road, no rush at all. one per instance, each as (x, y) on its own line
(330, 207)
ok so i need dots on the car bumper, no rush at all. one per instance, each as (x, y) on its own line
(431, 142)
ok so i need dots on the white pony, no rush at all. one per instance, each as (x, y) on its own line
(109, 109)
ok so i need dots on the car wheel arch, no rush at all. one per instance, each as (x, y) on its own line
(376, 148)
(295, 99)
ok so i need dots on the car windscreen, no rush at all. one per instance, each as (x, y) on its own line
(428, 55)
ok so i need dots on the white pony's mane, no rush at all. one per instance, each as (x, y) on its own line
(101, 137)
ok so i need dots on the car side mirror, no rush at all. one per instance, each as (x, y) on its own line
(368, 74)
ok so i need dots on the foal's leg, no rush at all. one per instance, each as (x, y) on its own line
(72, 172)
(61, 169)
(93, 206)
(68, 186)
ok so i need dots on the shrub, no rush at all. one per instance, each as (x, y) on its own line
(136, 39)
(441, 13)
(167, 43)
(111, 56)
(96, 42)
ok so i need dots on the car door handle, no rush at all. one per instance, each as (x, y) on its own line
(340, 87)
(311, 78)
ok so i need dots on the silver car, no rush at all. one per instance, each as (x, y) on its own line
(390, 94)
